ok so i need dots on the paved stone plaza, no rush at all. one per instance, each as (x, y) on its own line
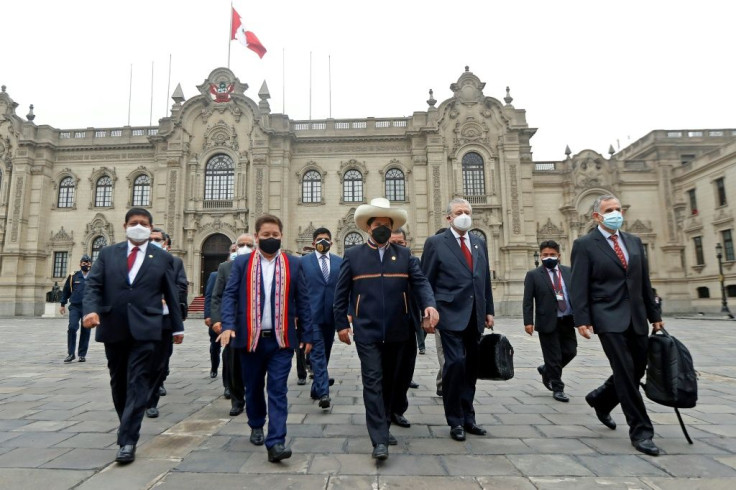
(57, 425)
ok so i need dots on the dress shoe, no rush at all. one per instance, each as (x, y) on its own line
(278, 452)
(82, 359)
(400, 420)
(604, 417)
(324, 402)
(301, 381)
(213, 374)
(235, 411)
(392, 441)
(545, 379)
(126, 454)
(380, 452)
(256, 436)
(646, 446)
(331, 381)
(422, 351)
(413, 384)
(162, 391)
(70, 358)
(439, 392)
(457, 433)
(475, 429)
(227, 394)
(152, 412)
(560, 396)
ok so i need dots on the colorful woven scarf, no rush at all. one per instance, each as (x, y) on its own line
(282, 282)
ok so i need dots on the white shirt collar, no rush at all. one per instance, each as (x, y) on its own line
(142, 247)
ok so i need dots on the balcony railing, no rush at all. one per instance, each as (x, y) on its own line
(217, 204)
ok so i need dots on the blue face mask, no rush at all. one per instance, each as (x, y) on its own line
(233, 256)
(613, 220)
(157, 244)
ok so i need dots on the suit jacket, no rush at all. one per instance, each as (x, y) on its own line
(131, 310)
(208, 289)
(182, 285)
(538, 290)
(378, 293)
(222, 275)
(605, 294)
(236, 303)
(456, 288)
(321, 292)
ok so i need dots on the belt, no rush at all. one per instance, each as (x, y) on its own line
(265, 334)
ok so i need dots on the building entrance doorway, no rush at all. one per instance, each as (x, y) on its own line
(214, 251)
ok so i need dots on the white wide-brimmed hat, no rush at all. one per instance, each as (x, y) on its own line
(379, 207)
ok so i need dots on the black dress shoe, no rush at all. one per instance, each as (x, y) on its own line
(545, 379)
(162, 391)
(227, 394)
(235, 411)
(439, 392)
(213, 374)
(256, 436)
(324, 402)
(646, 446)
(457, 433)
(82, 359)
(413, 385)
(331, 381)
(152, 412)
(70, 358)
(278, 452)
(392, 441)
(400, 420)
(126, 454)
(604, 417)
(475, 429)
(422, 351)
(301, 381)
(380, 452)
(560, 396)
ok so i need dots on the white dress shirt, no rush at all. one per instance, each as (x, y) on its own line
(138, 260)
(268, 270)
(610, 242)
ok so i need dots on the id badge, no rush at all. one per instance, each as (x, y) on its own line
(559, 296)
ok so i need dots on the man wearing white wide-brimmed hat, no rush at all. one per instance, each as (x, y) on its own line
(374, 285)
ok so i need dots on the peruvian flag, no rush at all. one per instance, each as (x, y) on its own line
(246, 38)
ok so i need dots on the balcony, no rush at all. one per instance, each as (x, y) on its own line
(217, 204)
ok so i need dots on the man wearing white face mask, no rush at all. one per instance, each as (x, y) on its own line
(122, 297)
(612, 295)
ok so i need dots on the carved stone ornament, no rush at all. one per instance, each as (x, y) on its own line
(98, 226)
(639, 228)
(304, 237)
(350, 165)
(221, 135)
(61, 237)
(549, 229)
(590, 169)
(468, 89)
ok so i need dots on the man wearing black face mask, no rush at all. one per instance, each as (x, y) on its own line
(74, 293)
(548, 287)
(377, 281)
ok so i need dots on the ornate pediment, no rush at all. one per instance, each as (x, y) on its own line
(590, 170)
(638, 227)
(99, 226)
(468, 89)
(549, 229)
(218, 226)
(62, 237)
(350, 165)
(221, 135)
(304, 238)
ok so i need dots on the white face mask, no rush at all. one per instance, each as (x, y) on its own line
(138, 233)
(245, 249)
(463, 222)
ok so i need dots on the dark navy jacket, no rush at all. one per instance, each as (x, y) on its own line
(378, 293)
(321, 293)
(73, 290)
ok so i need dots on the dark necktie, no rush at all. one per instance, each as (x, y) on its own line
(561, 304)
(466, 252)
(619, 252)
(325, 270)
(132, 257)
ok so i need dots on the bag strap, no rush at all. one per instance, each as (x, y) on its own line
(682, 425)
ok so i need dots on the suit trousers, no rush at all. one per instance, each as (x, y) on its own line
(130, 363)
(558, 349)
(380, 366)
(214, 351)
(440, 358)
(267, 370)
(75, 320)
(627, 354)
(460, 374)
(322, 339)
(404, 376)
(160, 371)
(232, 376)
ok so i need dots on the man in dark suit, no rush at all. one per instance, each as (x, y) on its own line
(214, 345)
(456, 265)
(374, 287)
(123, 297)
(612, 296)
(263, 297)
(320, 270)
(548, 286)
(73, 292)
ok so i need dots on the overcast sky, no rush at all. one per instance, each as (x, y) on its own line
(588, 73)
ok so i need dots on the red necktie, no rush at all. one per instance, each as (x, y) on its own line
(561, 304)
(619, 252)
(466, 252)
(132, 257)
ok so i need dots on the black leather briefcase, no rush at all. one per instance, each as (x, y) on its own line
(495, 358)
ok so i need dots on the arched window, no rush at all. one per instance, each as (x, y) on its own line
(474, 182)
(97, 245)
(312, 187)
(103, 192)
(66, 193)
(352, 239)
(395, 185)
(478, 233)
(142, 190)
(218, 179)
(352, 186)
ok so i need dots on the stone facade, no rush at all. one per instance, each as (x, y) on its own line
(221, 159)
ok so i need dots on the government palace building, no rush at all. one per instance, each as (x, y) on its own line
(222, 158)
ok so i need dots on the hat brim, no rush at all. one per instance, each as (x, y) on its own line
(365, 212)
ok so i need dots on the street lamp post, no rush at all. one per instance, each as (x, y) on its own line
(536, 259)
(724, 302)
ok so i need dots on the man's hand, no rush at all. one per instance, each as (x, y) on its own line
(208, 322)
(433, 315)
(529, 329)
(427, 326)
(91, 320)
(657, 326)
(178, 338)
(344, 335)
(217, 328)
(62, 310)
(585, 330)
(307, 346)
(225, 336)
(489, 321)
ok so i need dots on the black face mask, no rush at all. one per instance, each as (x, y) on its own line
(85, 268)
(269, 245)
(381, 234)
(322, 246)
(550, 262)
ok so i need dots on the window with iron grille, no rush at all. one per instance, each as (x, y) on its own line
(66, 193)
(312, 187)
(352, 239)
(478, 233)
(693, 201)
(60, 263)
(473, 175)
(728, 252)
(352, 186)
(97, 245)
(699, 256)
(219, 176)
(142, 191)
(721, 192)
(103, 192)
(395, 185)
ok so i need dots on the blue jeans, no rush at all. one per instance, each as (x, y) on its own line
(75, 321)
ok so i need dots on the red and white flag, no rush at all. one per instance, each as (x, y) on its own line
(246, 38)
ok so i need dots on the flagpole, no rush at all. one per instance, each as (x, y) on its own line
(329, 76)
(150, 114)
(310, 85)
(230, 35)
(130, 91)
(168, 90)
(283, 80)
